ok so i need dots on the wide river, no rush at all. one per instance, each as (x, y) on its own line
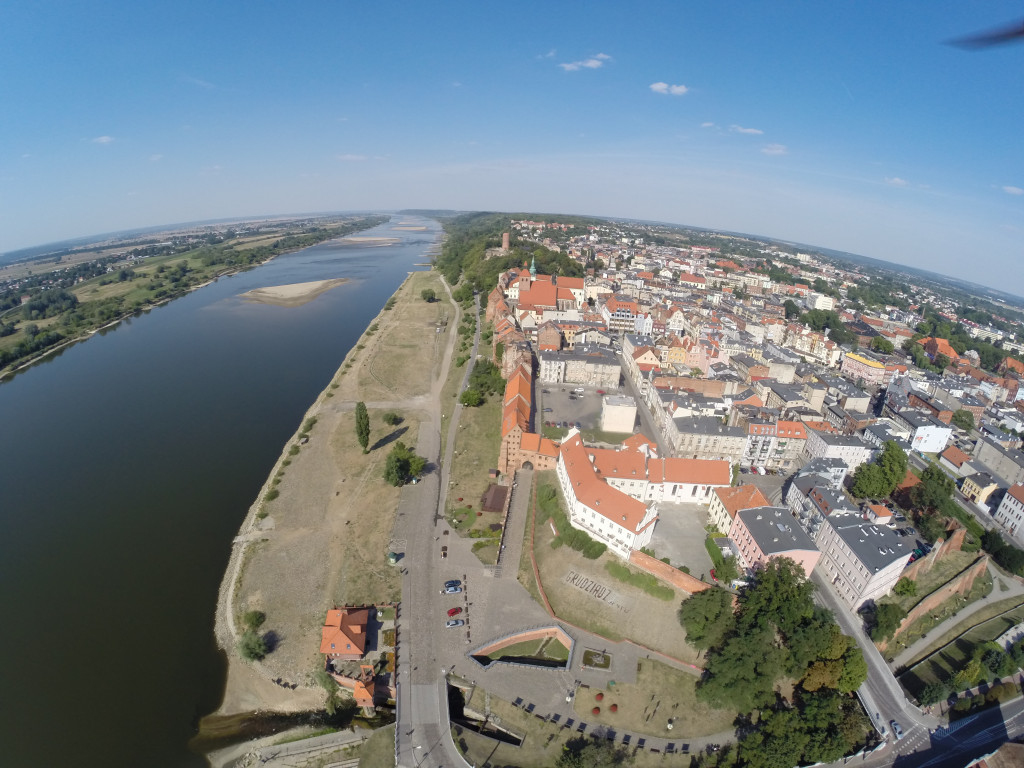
(126, 466)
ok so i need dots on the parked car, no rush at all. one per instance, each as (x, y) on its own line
(454, 612)
(454, 623)
(452, 582)
(578, 425)
(579, 390)
(897, 731)
(713, 577)
(547, 410)
(600, 392)
(452, 590)
(546, 391)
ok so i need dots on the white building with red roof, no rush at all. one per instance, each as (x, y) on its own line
(596, 507)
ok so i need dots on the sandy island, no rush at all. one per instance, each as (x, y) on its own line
(293, 295)
(371, 242)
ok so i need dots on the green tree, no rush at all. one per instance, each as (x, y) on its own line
(855, 670)
(363, 426)
(707, 617)
(585, 753)
(391, 418)
(402, 465)
(728, 571)
(963, 419)
(251, 646)
(869, 482)
(934, 489)
(471, 398)
(428, 295)
(933, 693)
(882, 344)
(253, 620)
(887, 619)
(905, 587)
(792, 310)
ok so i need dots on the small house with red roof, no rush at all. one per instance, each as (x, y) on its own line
(344, 633)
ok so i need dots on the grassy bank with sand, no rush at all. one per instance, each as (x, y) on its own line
(319, 530)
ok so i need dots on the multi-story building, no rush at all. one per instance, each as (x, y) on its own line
(1007, 463)
(603, 511)
(862, 561)
(861, 368)
(775, 445)
(589, 364)
(763, 534)
(726, 502)
(849, 448)
(705, 437)
(927, 434)
(1010, 513)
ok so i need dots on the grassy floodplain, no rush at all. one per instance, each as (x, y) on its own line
(59, 307)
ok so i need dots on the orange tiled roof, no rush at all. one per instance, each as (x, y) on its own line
(693, 471)
(606, 501)
(344, 631)
(741, 497)
(955, 456)
(1017, 491)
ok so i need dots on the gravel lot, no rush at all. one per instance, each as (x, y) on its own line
(679, 535)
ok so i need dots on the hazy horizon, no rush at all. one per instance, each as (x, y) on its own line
(853, 128)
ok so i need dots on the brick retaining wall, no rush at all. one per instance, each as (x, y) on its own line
(666, 573)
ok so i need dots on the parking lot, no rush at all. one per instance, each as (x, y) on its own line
(560, 403)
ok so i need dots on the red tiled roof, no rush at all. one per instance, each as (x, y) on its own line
(606, 501)
(741, 497)
(344, 631)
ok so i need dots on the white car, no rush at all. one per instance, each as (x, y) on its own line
(454, 623)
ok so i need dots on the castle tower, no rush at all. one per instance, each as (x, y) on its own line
(505, 241)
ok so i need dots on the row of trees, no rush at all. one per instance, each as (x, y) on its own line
(776, 631)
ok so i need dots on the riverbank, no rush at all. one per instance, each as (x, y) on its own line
(318, 532)
(98, 297)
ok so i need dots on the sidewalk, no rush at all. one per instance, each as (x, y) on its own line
(916, 651)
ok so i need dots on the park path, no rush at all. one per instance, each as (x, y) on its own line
(913, 653)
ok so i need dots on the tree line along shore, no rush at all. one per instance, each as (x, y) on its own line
(60, 303)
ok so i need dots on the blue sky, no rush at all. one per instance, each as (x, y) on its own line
(844, 125)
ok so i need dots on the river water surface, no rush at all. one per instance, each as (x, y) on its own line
(126, 466)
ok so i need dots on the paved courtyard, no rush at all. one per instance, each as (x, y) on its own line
(679, 535)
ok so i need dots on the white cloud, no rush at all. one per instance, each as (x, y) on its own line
(204, 84)
(549, 55)
(1013, 190)
(707, 125)
(351, 158)
(156, 158)
(741, 129)
(594, 62)
(895, 181)
(774, 149)
(672, 90)
(103, 140)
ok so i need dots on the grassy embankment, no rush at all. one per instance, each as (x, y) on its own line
(318, 534)
(135, 286)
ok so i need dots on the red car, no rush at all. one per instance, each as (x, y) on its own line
(600, 391)
(454, 612)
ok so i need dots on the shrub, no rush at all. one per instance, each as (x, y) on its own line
(599, 697)
(251, 646)
(392, 419)
(272, 494)
(595, 711)
(253, 619)
(614, 708)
